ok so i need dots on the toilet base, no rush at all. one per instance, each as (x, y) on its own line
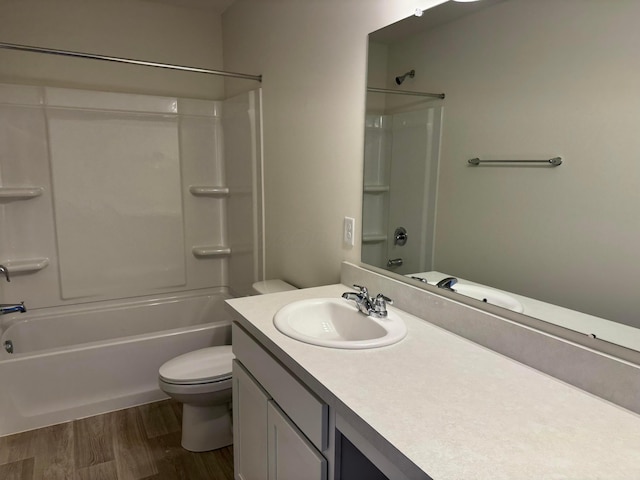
(206, 427)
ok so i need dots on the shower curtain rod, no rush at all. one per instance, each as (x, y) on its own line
(67, 53)
(405, 92)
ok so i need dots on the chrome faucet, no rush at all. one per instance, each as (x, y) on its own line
(376, 307)
(447, 283)
(423, 280)
(5, 271)
(6, 308)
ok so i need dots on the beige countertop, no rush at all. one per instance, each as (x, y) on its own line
(457, 410)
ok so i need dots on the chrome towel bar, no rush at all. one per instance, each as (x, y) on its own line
(553, 162)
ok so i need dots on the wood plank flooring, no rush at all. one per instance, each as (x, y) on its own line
(140, 443)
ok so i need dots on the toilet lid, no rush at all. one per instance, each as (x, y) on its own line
(206, 365)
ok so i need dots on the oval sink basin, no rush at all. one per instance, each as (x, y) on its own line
(489, 295)
(336, 323)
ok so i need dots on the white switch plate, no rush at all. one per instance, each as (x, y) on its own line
(349, 231)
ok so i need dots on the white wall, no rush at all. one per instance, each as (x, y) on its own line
(312, 55)
(155, 31)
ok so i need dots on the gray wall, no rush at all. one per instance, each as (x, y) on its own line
(536, 79)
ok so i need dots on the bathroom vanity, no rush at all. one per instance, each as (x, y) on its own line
(433, 405)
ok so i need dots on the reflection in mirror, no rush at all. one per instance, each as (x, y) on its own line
(524, 79)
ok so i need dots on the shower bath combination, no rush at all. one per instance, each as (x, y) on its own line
(401, 78)
(70, 355)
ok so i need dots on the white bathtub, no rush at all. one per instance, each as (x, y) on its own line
(73, 362)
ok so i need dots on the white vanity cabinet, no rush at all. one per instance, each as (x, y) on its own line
(280, 428)
(249, 426)
(290, 455)
(431, 406)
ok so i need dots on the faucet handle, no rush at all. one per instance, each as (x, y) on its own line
(380, 305)
(5, 271)
(383, 299)
(363, 290)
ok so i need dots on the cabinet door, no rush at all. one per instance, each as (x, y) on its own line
(291, 455)
(249, 426)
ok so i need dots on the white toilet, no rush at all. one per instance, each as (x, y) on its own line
(201, 381)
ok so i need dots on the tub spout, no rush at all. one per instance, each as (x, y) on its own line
(447, 283)
(5, 271)
(6, 308)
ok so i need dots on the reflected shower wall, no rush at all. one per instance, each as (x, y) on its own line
(109, 195)
(400, 182)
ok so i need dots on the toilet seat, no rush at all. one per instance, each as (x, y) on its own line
(207, 365)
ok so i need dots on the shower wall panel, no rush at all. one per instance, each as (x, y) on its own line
(375, 203)
(101, 195)
(202, 142)
(117, 201)
(243, 139)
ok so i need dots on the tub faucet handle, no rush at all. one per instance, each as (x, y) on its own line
(6, 308)
(5, 271)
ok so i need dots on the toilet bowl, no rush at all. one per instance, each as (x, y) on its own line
(201, 381)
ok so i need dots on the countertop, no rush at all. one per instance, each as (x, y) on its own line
(454, 409)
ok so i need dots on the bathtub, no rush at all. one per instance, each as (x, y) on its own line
(76, 361)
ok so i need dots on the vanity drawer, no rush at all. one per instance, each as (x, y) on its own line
(306, 410)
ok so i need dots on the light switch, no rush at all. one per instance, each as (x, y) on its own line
(349, 231)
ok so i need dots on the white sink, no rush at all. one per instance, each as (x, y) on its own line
(489, 295)
(336, 323)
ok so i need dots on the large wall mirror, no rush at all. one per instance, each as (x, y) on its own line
(523, 80)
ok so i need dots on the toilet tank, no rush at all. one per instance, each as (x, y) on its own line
(271, 286)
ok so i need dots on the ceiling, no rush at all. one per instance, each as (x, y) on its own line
(438, 15)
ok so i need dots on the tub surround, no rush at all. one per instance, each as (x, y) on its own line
(438, 406)
(169, 199)
(169, 206)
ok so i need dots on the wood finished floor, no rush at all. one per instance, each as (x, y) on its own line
(140, 443)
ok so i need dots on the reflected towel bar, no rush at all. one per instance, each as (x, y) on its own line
(553, 162)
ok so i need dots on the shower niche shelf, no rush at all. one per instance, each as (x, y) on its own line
(209, 251)
(25, 265)
(208, 191)
(20, 193)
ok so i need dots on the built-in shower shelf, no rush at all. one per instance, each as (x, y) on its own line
(25, 265)
(376, 188)
(20, 193)
(207, 191)
(374, 238)
(211, 251)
